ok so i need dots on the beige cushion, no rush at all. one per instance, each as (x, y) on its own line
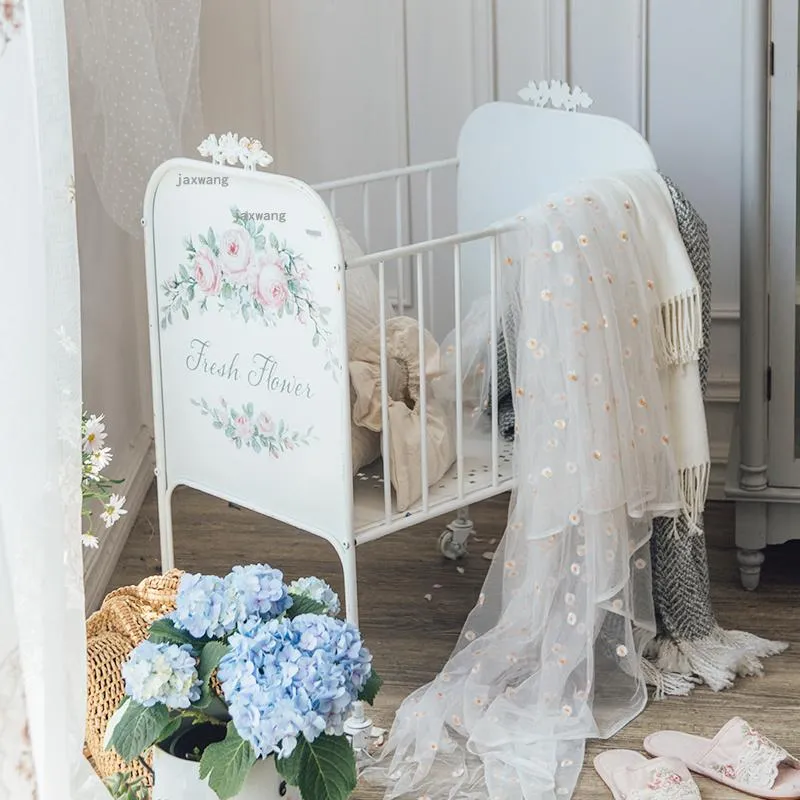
(405, 429)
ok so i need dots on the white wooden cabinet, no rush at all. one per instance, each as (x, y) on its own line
(764, 474)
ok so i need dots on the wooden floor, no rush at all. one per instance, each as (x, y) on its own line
(412, 636)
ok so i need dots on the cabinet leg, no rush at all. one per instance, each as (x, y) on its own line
(750, 562)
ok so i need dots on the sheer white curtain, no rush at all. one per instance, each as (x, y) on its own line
(42, 639)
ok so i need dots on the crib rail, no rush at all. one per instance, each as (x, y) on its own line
(412, 272)
(404, 208)
(421, 253)
(373, 177)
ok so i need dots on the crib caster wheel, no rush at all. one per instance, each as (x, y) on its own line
(450, 547)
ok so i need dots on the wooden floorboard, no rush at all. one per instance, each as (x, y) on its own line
(412, 637)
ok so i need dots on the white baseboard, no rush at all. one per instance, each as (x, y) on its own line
(99, 564)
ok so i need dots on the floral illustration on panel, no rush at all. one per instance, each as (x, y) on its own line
(12, 13)
(251, 275)
(258, 432)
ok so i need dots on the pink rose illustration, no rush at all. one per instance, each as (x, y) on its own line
(236, 253)
(270, 287)
(265, 424)
(207, 272)
(242, 427)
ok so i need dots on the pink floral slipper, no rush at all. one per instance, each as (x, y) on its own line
(737, 756)
(631, 776)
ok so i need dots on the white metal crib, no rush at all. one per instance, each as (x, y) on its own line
(509, 157)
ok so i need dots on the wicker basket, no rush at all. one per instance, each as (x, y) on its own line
(112, 632)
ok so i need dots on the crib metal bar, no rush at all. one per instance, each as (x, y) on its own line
(433, 244)
(459, 371)
(372, 177)
(495, 257)
(423, 384)
(398, 215)
(365, 203)
(375, 532)
(332, 203)
(387, 476)
(429, 234)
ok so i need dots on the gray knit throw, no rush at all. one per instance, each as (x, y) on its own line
(690, 647)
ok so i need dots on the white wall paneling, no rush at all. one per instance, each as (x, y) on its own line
(518, 24)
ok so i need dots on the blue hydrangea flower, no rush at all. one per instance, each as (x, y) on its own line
(206, 606)
(317, 590)
(161, 673)
(260, 590)
(342, 640)
(284, 678)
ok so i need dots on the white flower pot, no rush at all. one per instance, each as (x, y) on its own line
(178, 779)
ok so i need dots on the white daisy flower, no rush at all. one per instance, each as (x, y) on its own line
(100, 459)
(113, 510)
(90, 540)
(94, 434)
(91, 470)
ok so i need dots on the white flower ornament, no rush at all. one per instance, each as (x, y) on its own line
(555, 93)
(229, 148)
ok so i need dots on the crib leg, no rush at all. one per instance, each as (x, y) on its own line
(453, 542)
(347, 556)
(358, 726)
(165, 523)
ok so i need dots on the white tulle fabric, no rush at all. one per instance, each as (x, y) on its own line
(135, 93)
(549, 657)
(42, 636)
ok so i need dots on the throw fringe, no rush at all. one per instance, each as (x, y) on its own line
(694, 490)
(667, 684)
(675, 667)
(682, 321)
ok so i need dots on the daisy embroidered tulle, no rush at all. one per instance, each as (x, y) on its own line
(549, 656)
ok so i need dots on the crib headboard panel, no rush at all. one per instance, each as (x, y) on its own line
(512, 155)
(248, 343)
